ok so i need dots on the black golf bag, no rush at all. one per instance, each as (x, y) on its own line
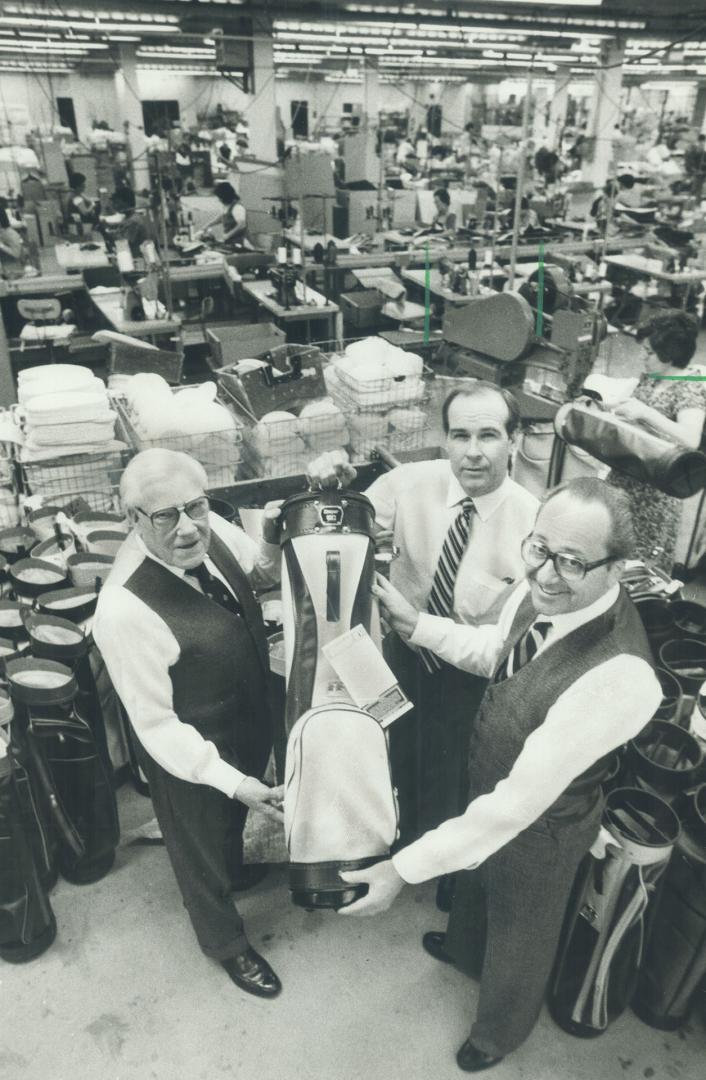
(66, 755)
(608, 919)
(675, 963)
(340, 807)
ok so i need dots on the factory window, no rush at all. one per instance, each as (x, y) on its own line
(300, 118)
(67, 116)
(159, 117)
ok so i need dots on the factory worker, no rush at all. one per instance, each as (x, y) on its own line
(458, 524)
(137, 227)
(444, 217)
(571, 680)
(233, 217)
(184, 643)
(79, 207)
(11, 247)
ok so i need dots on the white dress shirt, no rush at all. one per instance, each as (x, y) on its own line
(603, 709)
(419, 501)
(139, 649)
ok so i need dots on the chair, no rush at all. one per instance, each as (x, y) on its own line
(46, 325)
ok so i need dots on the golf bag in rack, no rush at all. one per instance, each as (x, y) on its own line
(66, 754)
(675, 963)
(27, 923)
(607, 923)
(340, 808)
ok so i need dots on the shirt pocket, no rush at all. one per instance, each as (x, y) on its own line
(480, 592)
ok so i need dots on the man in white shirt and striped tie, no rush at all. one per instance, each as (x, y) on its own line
(571, 681)
(458, 524)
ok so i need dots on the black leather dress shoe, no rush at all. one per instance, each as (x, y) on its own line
(433, 943)
(249, 875)
(252, 973)
(471, 1059)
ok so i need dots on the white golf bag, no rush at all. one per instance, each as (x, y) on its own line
(340, 808)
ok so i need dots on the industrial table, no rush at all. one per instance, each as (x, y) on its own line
(110, 305)
(260, 292)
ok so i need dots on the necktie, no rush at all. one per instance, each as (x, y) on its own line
(441, 598)
(214, 589)
(523, 651)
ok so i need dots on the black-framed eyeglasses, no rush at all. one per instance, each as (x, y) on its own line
(167, 519)
(569, 567)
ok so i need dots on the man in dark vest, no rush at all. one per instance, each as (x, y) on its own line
(183, 640)
(571, 680)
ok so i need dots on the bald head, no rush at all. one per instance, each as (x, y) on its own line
(151, 469)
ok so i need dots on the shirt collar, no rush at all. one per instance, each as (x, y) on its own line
(571, 620)
(485, 505)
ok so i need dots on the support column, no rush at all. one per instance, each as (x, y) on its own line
(130, 114)
(540, 132)
(262, 105)
(605, 112)
(371, 95)
(559, 105)
(8, 393)
(698, 115)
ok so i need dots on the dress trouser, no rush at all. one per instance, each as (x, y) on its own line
(203, 832)
(506, 920)
(429, 744)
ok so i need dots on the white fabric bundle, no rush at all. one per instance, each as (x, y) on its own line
(277, 435)
(406, 428)
(323, 426)
(87, 431)
(69, 407)
(376, 374)
(56, 378)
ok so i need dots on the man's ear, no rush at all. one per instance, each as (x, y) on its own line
(132, 516)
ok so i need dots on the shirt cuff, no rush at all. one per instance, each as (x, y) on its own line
(269, 553)
(223, 777)
(426, 632)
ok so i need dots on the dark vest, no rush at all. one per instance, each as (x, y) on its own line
(220, 680)
(513, 709)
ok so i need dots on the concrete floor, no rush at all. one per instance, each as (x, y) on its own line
(125, 994)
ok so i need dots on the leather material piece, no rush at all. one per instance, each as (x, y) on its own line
(500, 326)
(362, 612)
(632, 449)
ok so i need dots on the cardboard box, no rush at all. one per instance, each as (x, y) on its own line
(229, 344)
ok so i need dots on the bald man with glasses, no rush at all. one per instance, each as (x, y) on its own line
(183, 640)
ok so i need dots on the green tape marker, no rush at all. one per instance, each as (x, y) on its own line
(678, 378)
(540, 294)
(427, 297)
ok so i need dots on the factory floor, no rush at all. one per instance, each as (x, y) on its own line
(125, 994)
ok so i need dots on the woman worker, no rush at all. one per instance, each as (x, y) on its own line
(674, 409)
(11, 247)
(444, 218)
(80, 208)
(233, 218)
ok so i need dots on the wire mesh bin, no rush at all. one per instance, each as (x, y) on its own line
(391, 412)
(219, 451)
(284, 447)
(60, 480)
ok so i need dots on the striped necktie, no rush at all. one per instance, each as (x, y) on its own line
(523, 651)
(441, 598)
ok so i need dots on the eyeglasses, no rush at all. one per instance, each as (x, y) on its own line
(167, 519)
(568, 567)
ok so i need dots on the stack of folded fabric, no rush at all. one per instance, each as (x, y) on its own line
(66, 416)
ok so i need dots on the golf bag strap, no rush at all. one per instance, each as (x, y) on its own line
(306, 648)
(63, 823)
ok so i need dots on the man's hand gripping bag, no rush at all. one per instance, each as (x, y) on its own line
(340, 808)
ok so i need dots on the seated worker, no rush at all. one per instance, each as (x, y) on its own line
(628, 193)
(233, 219)
(79, 208)
(11, 247)
(137, 228)
(444, 218)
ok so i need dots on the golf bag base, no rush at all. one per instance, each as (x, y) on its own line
(85, 872)
(654, 1020)
(319, 885)
(573, 1027)
(21, 953)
